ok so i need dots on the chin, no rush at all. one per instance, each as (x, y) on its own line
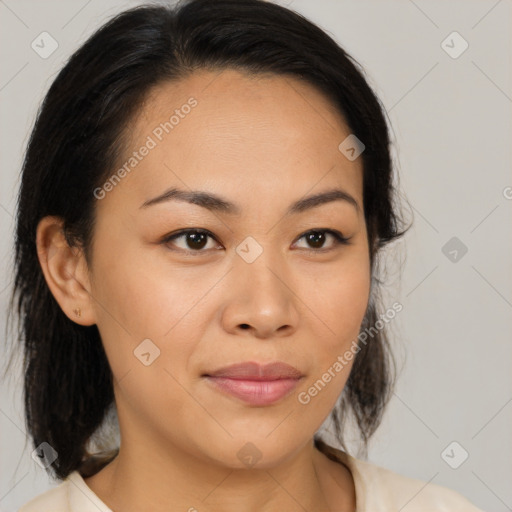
(253, 452)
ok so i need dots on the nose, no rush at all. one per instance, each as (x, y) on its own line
(262, 301)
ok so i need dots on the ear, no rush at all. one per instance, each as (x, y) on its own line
(65, 271)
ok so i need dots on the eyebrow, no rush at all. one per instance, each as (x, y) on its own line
(214, 202)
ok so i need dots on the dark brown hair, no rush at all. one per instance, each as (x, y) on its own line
(73, 148)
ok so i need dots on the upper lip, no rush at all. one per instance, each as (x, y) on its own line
(255, 371)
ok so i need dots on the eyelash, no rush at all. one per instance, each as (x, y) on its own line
(339, 239)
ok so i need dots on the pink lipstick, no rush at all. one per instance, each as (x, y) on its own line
(256, 384)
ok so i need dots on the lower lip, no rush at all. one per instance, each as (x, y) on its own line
(263, 392)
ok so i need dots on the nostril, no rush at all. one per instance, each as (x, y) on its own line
(244, 326)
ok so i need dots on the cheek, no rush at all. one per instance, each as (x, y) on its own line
(140, 298)
(349, 300)
(146, 332)
(337, 310)
(340, 302)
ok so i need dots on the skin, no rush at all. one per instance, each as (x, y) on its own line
(261, 142)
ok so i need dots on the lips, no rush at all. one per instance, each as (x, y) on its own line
(256, 384)
(255, 371)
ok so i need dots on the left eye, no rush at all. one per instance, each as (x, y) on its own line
(318, 236)
(196, 239)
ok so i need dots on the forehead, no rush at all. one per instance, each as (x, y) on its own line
(245, 134)
(237, 99)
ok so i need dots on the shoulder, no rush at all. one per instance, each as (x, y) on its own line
(71, 495)
(53, 500)
(383, 486)
(381, 490)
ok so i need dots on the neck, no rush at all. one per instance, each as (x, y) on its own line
(146, 478)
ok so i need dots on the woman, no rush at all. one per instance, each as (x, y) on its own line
(204, 196)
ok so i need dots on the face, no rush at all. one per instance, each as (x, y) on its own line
(181, 290)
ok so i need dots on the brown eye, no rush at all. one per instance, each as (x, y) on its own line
(193, 240)
(196, 239)
(316, 239)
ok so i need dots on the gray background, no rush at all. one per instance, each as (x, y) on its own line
(451, 121)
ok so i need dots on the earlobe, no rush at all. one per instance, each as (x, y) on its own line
(64, 269)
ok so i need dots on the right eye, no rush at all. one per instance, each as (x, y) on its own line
(193, 239)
